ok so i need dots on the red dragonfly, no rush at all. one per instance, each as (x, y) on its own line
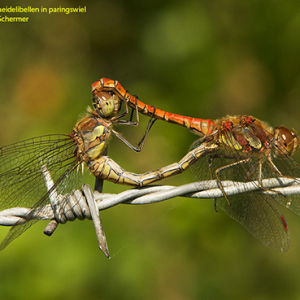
(238, 148)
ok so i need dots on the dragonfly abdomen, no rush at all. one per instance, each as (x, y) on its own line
(104, 85)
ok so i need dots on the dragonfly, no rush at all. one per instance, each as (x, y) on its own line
(240, 149)
(24, 165)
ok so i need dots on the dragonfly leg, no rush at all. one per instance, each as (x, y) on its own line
(129, 122)
(210, 163)
(119, 136)
(136, 111)
(243, 161)
(149, 126)
(260, 175)
(273, 165)
(210, 159)
(141, 142)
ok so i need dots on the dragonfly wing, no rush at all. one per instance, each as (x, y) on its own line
(257, 212)
(21, 177)
(292, 202)
(22, 182)
(261, 217)
(291, 169)
(15, 232)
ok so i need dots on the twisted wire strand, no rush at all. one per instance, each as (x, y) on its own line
(74, 205)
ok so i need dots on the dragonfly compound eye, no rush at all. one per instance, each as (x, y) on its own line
(105, 103)
(287, 138)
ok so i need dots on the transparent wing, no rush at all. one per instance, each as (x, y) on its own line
(260, 216)
(21, 177)
(257, 212)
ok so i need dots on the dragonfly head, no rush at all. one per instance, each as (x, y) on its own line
(287, 138)
(105, 103)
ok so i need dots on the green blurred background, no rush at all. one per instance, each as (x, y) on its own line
(198, 58)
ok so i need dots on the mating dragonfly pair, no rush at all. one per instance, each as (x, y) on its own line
(237, 148)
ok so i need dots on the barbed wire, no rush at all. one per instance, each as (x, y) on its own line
(84, 203)
(77, 202)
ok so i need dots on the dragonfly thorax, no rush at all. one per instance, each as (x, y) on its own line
(244, 133)
(248, 134)
(90, 135)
